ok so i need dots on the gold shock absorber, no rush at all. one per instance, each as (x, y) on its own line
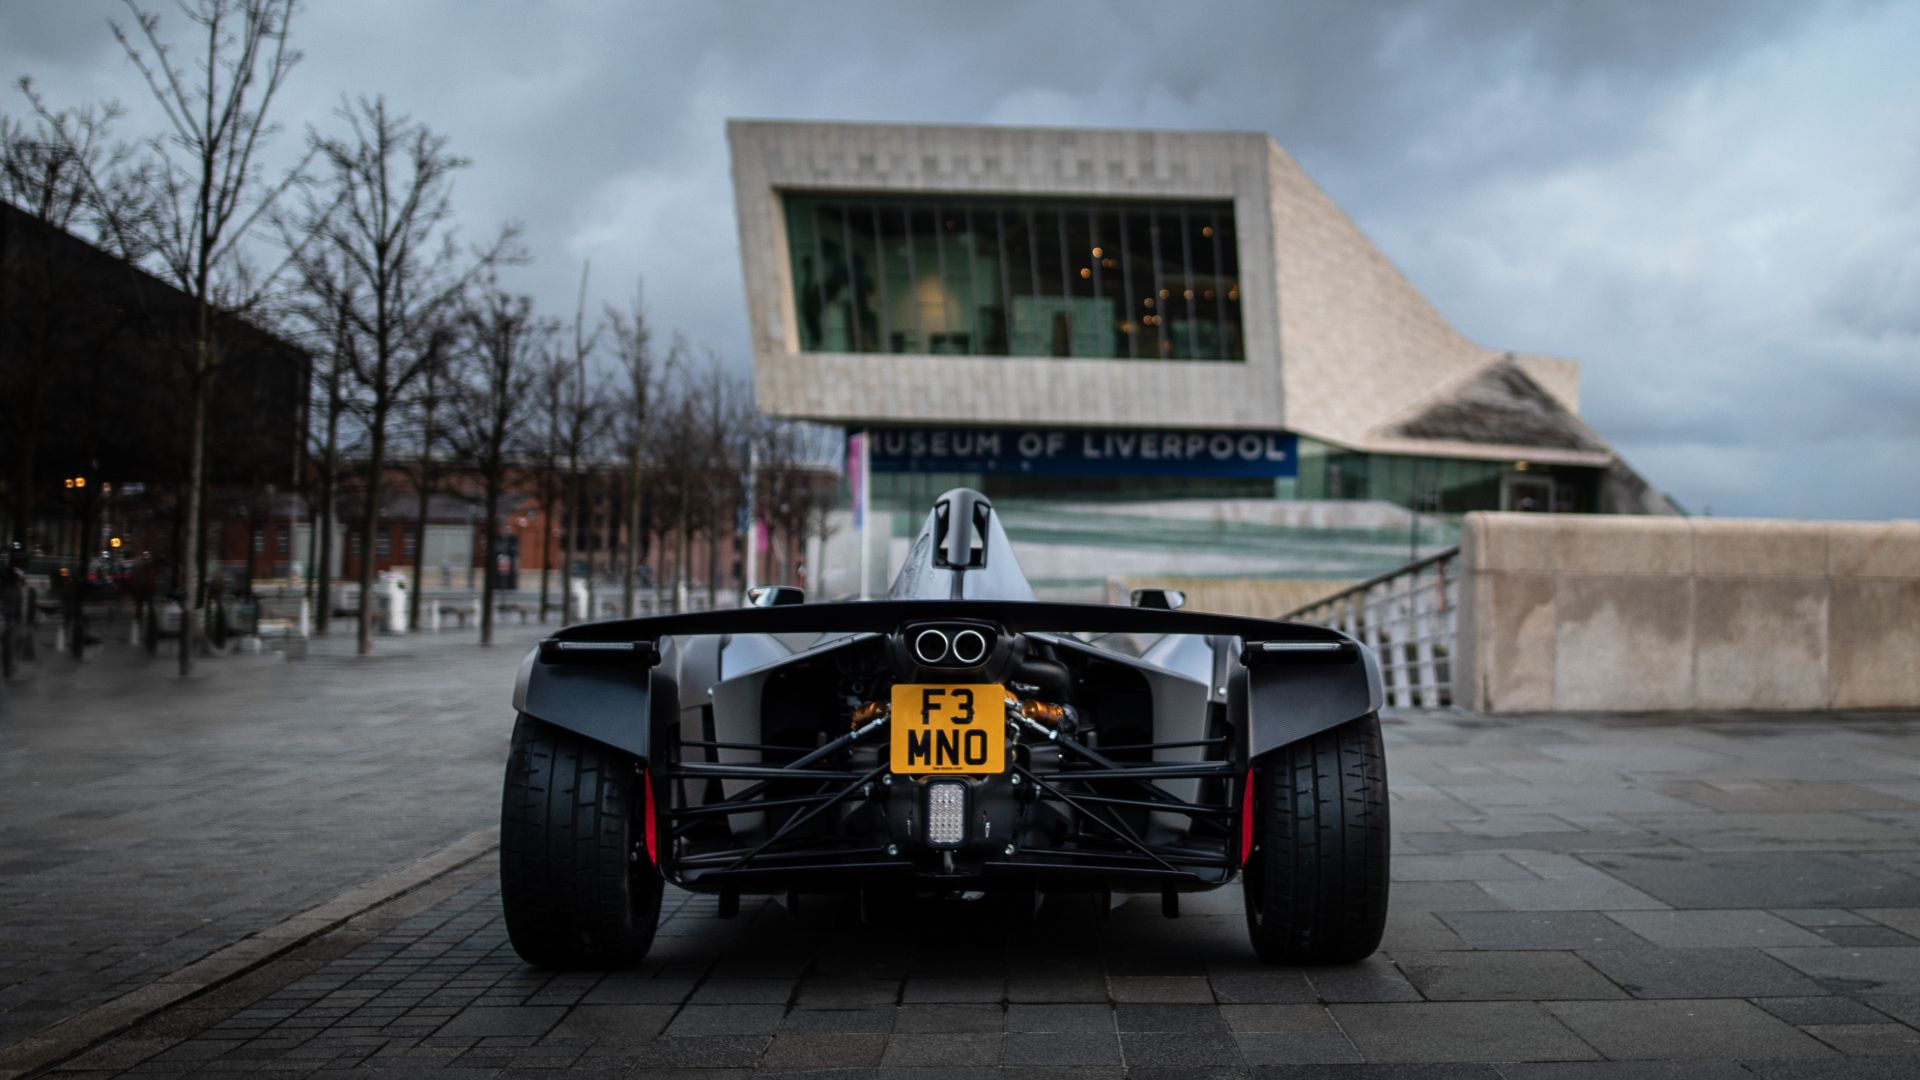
(1045, 712)
(868, 712)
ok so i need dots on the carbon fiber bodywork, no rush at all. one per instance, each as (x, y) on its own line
(1129, 731)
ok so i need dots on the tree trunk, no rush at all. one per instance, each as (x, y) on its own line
(419, 558)
(196, 495)
(713, 564)
(369, 524)
(329, 496)
(253, 530)
(572, 521)
(491, 546)
(77, 621)
(685, 542)
(420, 517)
(630, 565)
(546, 537)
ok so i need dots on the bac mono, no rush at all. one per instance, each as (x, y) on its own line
(957, 736)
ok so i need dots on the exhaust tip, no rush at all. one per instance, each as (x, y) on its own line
(930, 646)
(969, 646)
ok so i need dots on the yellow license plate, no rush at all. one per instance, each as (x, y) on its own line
(943, 729)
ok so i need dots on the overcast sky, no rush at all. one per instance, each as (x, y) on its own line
(1715, 207)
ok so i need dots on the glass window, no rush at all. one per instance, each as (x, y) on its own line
(1109, 279)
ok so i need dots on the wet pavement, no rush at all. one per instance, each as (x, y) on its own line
(1574, 897)
(146, 821)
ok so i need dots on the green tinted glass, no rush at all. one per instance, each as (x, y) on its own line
(1107, 279)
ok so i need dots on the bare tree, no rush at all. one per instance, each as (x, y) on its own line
(633, 348)
(425, 478)
(386, 219)
(792, 487)
(209, 191)
(677, 459)
(491, 391)
(331, 303)
(725, 408)
(584, 421)
(546, 447)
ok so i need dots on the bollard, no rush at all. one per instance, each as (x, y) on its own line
(133, 628)
(580, 601)
(476, 611)
(306, 617)
(396, 605)
(59, 638)
(433, 615)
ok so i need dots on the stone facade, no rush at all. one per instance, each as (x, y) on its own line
(769, 158)
(1339, 344)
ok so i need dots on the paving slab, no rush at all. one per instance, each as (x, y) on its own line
(1889, 970)
(1505, 976)
(1540, 930)
(1715, 929)
(1040, 1018)
(1459, 1031)
(1626, 1070)
(1700, 973)
(1651, 1030)
(1832, 1009)
(1762, 879)
(1802, 955)
(157, 820)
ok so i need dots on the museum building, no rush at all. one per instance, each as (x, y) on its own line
(1134, 315)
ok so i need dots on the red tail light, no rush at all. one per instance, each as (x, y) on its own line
(651, 825)
(1246, 817)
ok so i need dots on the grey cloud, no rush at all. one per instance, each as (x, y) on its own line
(1675, 194)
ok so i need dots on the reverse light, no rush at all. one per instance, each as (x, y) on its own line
(946, 813)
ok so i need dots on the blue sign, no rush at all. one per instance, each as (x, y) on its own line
(1085, 451)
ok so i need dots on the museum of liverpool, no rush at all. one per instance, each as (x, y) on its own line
(1128, 315)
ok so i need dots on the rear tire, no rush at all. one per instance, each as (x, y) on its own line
(575, 881)
(1316, 883)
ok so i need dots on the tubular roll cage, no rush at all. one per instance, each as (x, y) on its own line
(1087, 781)
(1076, 788)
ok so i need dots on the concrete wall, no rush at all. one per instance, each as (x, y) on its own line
(1634, 614)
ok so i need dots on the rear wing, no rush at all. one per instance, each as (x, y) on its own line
(1266, 640)
(1294, 680)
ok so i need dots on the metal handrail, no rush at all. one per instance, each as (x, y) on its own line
(1378, 579)
(1409, 618)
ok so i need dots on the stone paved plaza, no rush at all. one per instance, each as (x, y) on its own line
(1575, 898)
(145, 822)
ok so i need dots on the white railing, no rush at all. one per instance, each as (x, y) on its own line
(1408, 617)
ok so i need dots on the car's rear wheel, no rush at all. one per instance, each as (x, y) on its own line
(1316, 880)
(576, 883)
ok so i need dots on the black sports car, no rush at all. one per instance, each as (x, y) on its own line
(958, 735)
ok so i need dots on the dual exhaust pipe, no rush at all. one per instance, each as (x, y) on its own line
(966, 646)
